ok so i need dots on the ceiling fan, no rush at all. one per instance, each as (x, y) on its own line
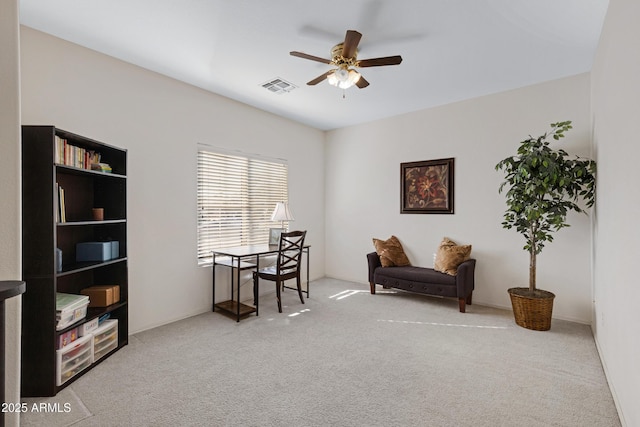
(344, 56)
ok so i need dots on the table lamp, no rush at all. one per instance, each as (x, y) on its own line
(281, 213)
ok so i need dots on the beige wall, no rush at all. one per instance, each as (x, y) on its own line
(10, 213)
(616, 104)
(363, 197)
(160, 121)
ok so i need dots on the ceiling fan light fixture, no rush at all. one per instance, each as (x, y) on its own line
(343, 78)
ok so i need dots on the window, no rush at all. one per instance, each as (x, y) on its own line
(236, 197)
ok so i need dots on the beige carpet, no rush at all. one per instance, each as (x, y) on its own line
(345, 358)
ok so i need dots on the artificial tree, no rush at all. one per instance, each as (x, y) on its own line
(543, 186)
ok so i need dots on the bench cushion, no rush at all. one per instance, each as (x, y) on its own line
(417, 279)
(415, 274)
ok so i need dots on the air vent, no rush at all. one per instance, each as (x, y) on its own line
(278, 86)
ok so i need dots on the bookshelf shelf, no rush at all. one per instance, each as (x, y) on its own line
(54, 221)
(90, 222)
(78, 267)
(78, 171)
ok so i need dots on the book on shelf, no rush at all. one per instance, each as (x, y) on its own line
(61, 211)
(57, 202)
(71, 155)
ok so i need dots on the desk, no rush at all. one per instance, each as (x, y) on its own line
(243, 258)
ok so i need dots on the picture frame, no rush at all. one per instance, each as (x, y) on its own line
(426, 187)
(274, 235)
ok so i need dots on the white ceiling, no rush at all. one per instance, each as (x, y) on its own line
(452, 49)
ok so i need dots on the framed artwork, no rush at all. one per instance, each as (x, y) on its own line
(274, 235)
(427, 187)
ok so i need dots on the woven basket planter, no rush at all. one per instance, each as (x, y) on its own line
(532, 311)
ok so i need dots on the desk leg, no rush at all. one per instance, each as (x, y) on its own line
(308, 285)
(238, 287)
(256, 287)
(231, 279)
(213, 283)
(255, 293)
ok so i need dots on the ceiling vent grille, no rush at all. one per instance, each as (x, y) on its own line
(279, 86)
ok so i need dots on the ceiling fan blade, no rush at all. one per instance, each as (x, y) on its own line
(362, 83)
(311, 57)
(351, 41)
(377, 62)
(319, 78)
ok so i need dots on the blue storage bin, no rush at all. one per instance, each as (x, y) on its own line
(93, 251)
(115, 249)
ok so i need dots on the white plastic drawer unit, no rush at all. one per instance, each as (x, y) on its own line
(105, 338)
(73, 358)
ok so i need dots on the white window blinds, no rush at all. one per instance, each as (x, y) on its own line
(236, 197)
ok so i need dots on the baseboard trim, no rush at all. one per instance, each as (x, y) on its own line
(606, 376)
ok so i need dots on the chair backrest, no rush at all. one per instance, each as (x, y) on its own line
(290, 251)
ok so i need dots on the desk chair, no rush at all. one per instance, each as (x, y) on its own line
(287, 266)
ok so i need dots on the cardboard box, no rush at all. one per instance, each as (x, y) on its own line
(102, 295)
(93, 251)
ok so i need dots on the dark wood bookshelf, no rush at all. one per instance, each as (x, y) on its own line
(43, 230)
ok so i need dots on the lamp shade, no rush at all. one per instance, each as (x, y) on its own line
(282, 212)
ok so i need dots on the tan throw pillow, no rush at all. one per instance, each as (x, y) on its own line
(390, 252)
(450, 256)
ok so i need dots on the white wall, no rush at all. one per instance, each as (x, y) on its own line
(363, 197)
(616, 103)
(10, 208)
(160, 121)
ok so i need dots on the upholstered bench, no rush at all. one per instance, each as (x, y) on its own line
(424, 280)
